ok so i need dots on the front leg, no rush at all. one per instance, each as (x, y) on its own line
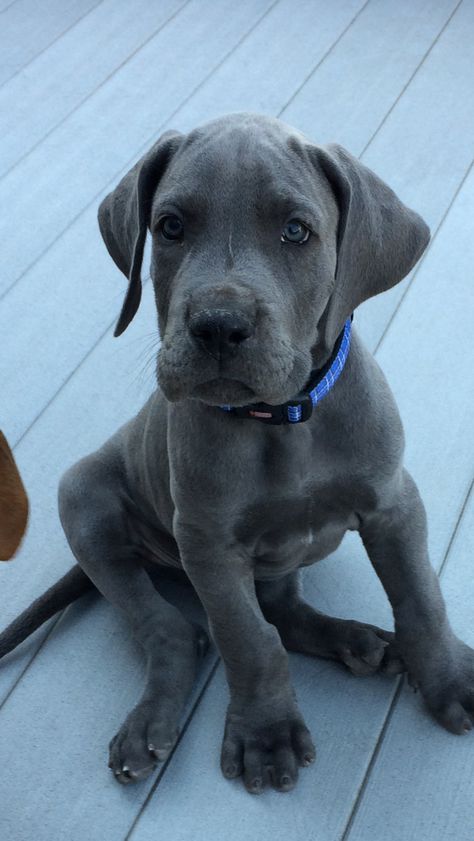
(395, 537)
(265, 734)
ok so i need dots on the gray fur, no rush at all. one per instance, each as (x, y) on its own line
(241, 506)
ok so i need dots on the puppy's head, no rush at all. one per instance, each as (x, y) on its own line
(263, 245)
(13, 503)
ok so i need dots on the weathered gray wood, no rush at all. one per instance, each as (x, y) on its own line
(348, 97)
(88, 53)
(263, 73)
(421, 785)
(68, 706)
(346, 715)
(5, 4)
(27, 28)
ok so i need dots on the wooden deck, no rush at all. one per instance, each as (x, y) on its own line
(85, 87)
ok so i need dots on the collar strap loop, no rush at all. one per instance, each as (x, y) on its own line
(301, 407)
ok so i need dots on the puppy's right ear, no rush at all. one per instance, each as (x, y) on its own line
(124, 216)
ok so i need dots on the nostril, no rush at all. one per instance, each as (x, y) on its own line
(205, 335)
(238, 336)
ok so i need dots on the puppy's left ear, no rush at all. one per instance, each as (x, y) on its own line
(379, 238)
(124, 216)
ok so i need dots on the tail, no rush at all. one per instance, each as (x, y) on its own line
(70, 587)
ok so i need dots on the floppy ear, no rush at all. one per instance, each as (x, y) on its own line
(124, 216)
(13, 503)
(379, 238)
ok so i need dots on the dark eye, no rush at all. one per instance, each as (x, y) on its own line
(171, 227)
(295, 231)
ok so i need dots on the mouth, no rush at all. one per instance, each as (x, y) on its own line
(224, 390)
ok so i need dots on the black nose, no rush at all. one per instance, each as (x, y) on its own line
(220, 331)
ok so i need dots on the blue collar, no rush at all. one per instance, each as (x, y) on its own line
(300, 408)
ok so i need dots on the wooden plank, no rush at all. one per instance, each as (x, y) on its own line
(269, 56)
(349, 95)
(5, 4)
(63, 307)
(28, 28)
(67, 707)
(40, 98)
(73, 165)
(421, 785)
(346, 715)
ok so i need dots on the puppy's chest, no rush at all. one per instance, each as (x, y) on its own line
(284, 532)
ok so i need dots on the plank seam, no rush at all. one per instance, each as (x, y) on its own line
(141, 149)
(60, 35)
(8, 7)
(94, 91)
(424, 256)
(409, 81)
(14, 685)
(322, 59)
(164, 767)
(392, 707)
(18, 441)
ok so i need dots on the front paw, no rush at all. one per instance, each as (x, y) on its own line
(448, 689)
(148, 734)
(264, 745)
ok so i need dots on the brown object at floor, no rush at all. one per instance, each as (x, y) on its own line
(13, 503)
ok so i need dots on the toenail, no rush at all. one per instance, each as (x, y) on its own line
(308, 759)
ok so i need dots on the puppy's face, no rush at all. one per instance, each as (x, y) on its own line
(244, 257)
(263, 245)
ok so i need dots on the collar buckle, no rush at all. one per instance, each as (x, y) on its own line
(299, 410)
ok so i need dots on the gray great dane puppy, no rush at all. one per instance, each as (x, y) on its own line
(263, 246)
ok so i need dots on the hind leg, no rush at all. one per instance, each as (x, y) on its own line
(99, 529)
(364, 649)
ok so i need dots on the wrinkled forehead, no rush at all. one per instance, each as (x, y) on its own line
(243, 162)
